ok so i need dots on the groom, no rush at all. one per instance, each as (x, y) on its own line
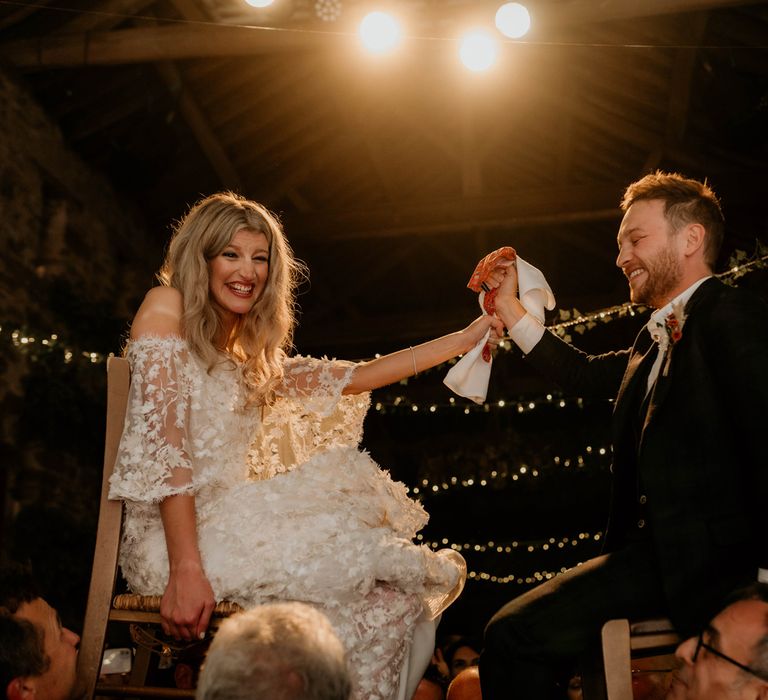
(690, 476)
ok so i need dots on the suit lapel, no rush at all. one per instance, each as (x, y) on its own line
(633, 384)
(661, 387)
(658, 393)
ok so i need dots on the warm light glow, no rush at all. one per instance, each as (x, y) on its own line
(478, 50)
(513, 20)
(259, 3)
(379, 32)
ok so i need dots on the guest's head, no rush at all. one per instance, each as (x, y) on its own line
(573, 690)
(466, 685)
(237, 275)
(729, 659)
(281, 651)
(670, 236)
(38, 656)
(461, 654)
(428, 689)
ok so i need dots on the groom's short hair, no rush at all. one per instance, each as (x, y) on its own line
(686, 201)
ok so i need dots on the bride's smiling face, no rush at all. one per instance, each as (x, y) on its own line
(237, 276)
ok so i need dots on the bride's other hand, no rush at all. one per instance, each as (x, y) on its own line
(495, 338)
(476, 330)
(187, 603)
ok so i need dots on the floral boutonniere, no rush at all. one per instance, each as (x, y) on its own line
(673, 325)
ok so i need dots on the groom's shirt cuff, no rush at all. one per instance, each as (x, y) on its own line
(526, 333)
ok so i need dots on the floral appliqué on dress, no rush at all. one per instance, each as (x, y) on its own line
(288, 507)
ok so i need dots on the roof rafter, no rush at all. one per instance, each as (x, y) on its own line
(537, 207)
(193, 114)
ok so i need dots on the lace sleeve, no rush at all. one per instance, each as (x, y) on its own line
(318, 384)
(311, 414)
(154, 459)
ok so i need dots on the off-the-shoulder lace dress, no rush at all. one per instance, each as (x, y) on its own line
(288, 507)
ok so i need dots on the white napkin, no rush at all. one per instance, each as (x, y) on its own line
(470, 376)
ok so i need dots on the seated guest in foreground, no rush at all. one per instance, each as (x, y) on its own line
(280, 651)
(37, 655)
(687, 522)
(466, 685)
(729, 658)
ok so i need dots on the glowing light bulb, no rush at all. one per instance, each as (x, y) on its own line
(478, 50)
(259, 3)
(513, 20)
(380, 32)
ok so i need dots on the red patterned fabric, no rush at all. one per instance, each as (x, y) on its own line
(483, 269)
(487, 265)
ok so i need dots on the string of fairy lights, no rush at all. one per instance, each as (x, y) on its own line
(454, 483)
(405, 404)
(581, 542)
(516, 546)
(36, 344)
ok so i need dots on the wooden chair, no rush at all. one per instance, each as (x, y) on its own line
(103, 606)
(620, 638)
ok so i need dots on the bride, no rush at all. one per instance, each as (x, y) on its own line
(239, 465)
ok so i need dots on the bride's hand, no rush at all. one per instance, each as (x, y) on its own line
(476, 330)
(187, 603)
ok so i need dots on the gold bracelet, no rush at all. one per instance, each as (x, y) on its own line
(413, 357)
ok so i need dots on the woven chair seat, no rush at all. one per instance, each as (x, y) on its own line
(658, 625)
(151, 603)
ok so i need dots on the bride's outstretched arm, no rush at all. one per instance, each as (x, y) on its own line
(409, 361)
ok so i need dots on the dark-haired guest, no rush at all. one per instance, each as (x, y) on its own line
(38, 656)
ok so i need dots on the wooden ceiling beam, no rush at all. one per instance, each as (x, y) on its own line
(226, 89)
(287, 179)
(524, 208)
(22, 13)
(189, 9)
(198, 123)
(161, 43)
(589, 11)
(193, 114)
(197, 40)
(108, 14)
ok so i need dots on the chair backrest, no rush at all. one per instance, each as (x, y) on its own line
(104, 571)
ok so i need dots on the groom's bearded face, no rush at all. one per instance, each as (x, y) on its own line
(649, 254)
(664, 275)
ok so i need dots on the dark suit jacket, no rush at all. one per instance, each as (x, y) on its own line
(697, 452)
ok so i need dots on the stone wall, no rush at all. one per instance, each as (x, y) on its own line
(70, 249)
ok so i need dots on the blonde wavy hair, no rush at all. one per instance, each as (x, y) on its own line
(260, 337)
